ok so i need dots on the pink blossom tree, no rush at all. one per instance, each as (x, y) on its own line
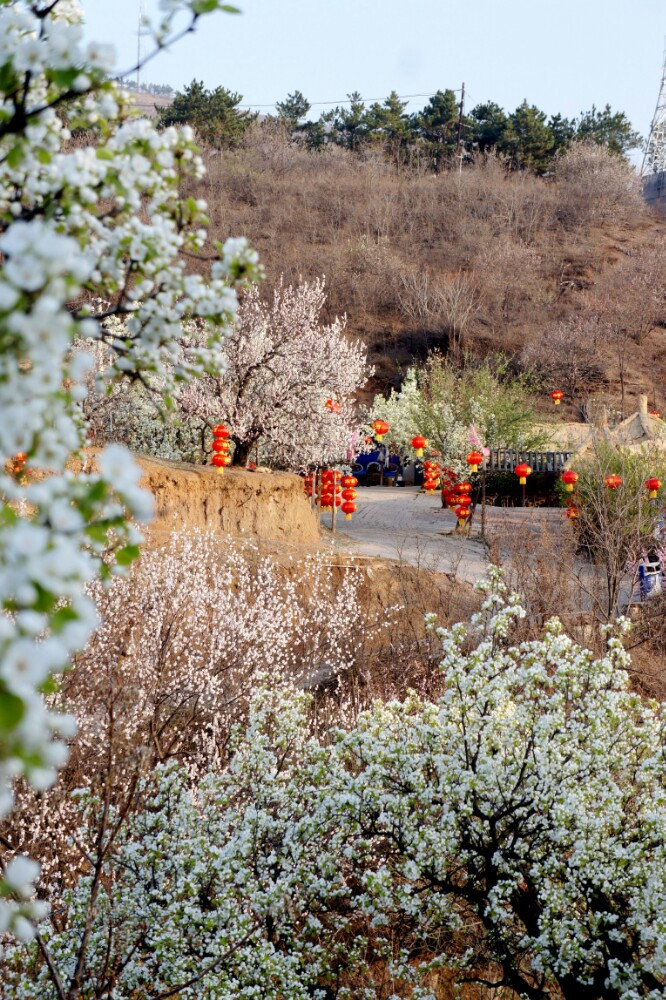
(282, 365)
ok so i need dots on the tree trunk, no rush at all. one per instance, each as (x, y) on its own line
(241, 452)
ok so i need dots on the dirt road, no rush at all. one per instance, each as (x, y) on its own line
(403, 523)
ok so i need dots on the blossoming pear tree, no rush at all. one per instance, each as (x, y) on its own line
(513, 832)
(522, 817)
(87, 230)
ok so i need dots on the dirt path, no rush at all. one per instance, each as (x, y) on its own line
(403, 523)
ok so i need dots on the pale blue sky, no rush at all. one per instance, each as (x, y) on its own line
(564, 55)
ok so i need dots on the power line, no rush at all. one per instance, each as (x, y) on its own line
(363, 100)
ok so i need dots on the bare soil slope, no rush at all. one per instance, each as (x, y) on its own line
(266, 506)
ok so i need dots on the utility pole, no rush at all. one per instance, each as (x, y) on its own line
(460, 122)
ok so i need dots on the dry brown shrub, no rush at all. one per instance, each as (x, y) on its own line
(529, 245)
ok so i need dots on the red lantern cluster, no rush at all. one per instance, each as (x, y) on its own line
(474, 460)
(329, 495)
(380, 428)
(419, 443)
(458, 498)
(432, 476)
(448, 480)
(557, 396)
(333, 490)
(221, 448)
(349, 496)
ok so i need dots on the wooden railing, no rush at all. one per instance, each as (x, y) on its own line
(505, 460)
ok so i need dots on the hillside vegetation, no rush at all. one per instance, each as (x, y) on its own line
(564, 272)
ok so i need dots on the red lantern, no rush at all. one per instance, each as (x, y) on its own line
(219, 461)
(572, 512)
(613, 481)
(419, 443)
(349, 481)
(464, 501)
(655, 413)
(327, 500)
(463, 488)
(348, 508)
(569, 478)
(523, 470)
(474, 460)
(462, 513)
(653, 485)
(557, 396)
(219, 445)
(380, 427)
(430, 485)
(221, 431)
(349, 494)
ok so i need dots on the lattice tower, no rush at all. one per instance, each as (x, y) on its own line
(654, 160)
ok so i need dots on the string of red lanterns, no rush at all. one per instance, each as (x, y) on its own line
(331, 489)
(349, 496)
(220, 448)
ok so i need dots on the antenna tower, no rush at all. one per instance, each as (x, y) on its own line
(138, 45)
(654, 161)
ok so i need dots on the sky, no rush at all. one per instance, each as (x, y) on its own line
(563, 56)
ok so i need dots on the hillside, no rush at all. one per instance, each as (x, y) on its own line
(543, 269)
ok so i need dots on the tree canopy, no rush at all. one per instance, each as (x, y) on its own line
(213, 114)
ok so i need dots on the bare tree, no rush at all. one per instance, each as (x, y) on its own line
(449, 304)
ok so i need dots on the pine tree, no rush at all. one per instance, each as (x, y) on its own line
(294, 107)
(213, 114)
(607, 128)
(350, 125)
(389, 124)
(437, 127)
(488, 123)
(528, 140)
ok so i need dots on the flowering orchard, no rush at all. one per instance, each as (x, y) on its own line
(99, 223)
(285, 386)
(511, 832)
(455, 407)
